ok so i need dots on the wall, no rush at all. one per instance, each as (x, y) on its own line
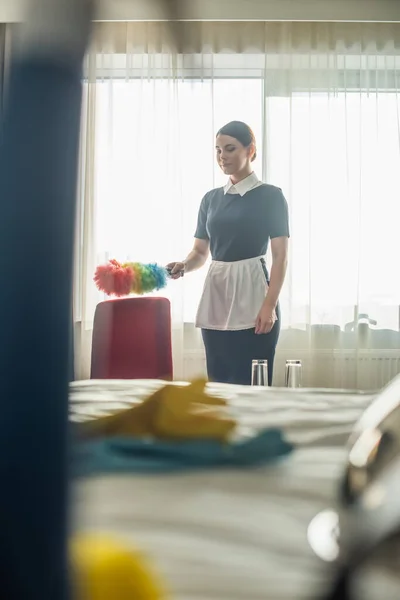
(239, 10)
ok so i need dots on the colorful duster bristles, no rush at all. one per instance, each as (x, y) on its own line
(122, 279)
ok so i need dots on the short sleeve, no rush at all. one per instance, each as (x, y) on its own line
(201, 229)
(279, 215)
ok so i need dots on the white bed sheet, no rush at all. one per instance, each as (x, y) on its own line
(229, 534)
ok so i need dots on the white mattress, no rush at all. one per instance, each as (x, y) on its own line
(229, 534)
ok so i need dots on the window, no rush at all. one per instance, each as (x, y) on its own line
(156, 160)
(336, 156)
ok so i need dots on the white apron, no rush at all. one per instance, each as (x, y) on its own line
(233, 295)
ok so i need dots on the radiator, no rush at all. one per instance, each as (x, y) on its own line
(349, 369)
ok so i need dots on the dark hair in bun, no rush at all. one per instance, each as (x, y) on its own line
(241, 132)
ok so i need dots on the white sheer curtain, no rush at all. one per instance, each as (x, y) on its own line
(323, 101)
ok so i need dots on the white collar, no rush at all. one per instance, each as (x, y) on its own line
(243, 186)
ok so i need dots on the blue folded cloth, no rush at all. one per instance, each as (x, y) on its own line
(138, 455)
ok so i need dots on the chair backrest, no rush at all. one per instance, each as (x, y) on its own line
(132, 339)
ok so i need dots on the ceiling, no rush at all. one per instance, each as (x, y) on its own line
(236, 10)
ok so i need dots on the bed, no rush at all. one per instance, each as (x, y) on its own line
(228, 534)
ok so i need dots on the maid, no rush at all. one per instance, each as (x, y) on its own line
(239, 311)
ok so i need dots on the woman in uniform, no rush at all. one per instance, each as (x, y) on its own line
(239, 311)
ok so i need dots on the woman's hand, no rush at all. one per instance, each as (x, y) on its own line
(176, 269)
(265, 319)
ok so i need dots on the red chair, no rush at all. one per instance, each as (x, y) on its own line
(132, 339)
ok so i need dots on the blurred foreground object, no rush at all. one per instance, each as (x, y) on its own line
(374, 442)
(356, 538)
(367, 541)
(172, 412)
(177, 428)
(105, 569)
(38, 174)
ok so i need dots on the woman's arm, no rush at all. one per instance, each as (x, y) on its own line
(279, 250)
(194, 260)
(267, 317)
(198, 256)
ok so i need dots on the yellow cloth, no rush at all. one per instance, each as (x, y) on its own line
(104, 569)
(171, 413)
